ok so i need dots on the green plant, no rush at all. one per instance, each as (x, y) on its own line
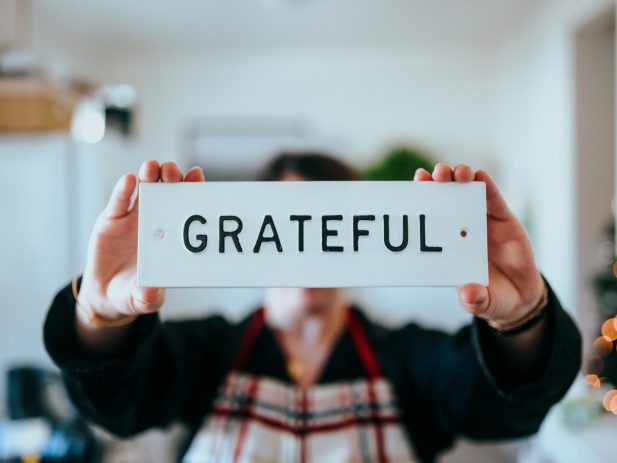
(399, 163)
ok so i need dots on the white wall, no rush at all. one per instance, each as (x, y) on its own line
(434, 97)
(35, 242)
(535, 131)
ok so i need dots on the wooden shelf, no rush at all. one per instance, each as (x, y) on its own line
(34, 105)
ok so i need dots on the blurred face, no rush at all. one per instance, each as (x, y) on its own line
(293, 303)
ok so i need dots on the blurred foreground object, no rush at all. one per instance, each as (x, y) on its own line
(43, 426)
(577, 430)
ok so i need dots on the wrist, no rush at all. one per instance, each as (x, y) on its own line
(89, 315)
(523, 319)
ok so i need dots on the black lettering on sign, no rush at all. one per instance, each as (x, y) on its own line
(386, 234)
(423, 246)
(233, 234)
(203, 239)
(198, 243)
(300, 219)
(325, 232)
(357, 231)
(263, 239)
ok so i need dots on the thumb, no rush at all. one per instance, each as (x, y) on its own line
(144, 300)
(475, 298)
(120, 199)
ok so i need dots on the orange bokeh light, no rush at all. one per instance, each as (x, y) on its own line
(602, 346)
(593, 381)
(609, 330)
(610, 401)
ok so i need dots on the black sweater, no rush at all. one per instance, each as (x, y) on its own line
(170, 372)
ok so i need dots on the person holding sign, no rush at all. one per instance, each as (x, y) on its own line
(308, 377)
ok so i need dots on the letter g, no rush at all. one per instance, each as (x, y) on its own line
(203, 239)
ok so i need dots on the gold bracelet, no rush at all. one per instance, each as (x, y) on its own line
(535, 312)
(91, 317)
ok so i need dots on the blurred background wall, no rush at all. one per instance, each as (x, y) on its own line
(522, 88)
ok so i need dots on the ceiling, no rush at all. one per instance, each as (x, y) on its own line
(277, 23)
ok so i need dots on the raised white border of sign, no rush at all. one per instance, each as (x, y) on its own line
(354, 237)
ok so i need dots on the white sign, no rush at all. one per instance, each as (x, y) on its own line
(311, 234)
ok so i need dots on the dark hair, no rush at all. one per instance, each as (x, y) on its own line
(311, 166)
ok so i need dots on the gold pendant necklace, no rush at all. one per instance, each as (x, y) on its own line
(295, 369)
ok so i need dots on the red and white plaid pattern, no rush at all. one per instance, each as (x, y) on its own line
(259, 419)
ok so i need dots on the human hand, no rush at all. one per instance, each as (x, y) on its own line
(515, 284)
(108, 285)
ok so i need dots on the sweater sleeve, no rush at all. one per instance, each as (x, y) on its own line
(463, 396)
(168, 372)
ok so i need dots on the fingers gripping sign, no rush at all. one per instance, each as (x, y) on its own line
(516, 286)
(108, 290)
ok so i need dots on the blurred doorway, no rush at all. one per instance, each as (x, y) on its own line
(594, 174)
